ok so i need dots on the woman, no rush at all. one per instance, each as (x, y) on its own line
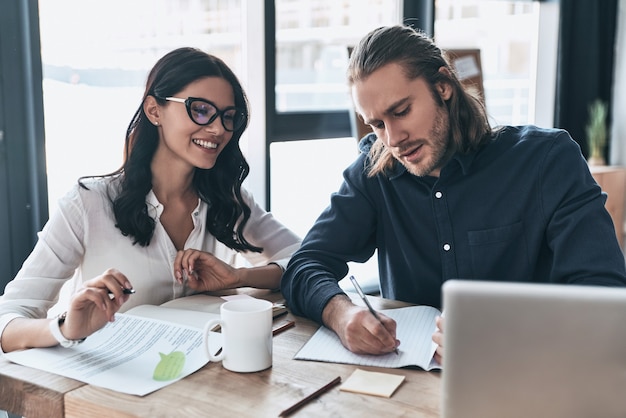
(167, 224)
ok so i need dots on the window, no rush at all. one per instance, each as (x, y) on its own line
(94, 79)
(314, 143)
(311, 49)
(517, 42)
(311, 142)
(94, 76)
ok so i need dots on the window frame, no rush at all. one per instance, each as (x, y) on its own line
(23, 183)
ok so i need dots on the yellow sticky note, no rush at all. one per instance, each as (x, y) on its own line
(372, 383)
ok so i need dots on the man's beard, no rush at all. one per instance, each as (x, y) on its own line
(440, 144)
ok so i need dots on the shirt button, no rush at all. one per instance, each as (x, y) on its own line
(438, 195)
(446, 247)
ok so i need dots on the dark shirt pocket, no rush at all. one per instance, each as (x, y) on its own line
(499, 253)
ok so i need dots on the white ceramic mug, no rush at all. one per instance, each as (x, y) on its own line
(246, 335)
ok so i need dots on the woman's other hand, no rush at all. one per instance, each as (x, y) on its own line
(204, 272)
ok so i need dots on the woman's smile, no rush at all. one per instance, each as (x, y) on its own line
(205, 143)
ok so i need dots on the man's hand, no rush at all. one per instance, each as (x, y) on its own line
(438, 339)
(358, 330)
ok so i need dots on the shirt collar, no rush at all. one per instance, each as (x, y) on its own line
(155, 208)
(464, 160)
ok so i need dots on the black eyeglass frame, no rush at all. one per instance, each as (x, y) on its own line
(218, 113)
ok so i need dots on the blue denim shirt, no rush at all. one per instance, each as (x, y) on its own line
(523, 208)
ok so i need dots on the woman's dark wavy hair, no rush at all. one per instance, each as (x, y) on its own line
(219, 186)
(419, 57)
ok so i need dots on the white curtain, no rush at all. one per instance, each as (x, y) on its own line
(618, 117)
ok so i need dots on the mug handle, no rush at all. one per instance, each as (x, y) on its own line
(207, 332)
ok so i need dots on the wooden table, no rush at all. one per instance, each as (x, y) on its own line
(33, 393)
(215, 391)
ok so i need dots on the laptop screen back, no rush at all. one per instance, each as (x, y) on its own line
(533, 350)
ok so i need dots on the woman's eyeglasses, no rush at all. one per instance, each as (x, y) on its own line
(203, 113)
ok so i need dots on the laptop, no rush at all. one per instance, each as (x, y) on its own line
(533, 350)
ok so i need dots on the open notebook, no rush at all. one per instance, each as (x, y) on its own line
(415, 327)
(533, 350)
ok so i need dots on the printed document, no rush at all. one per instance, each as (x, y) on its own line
(134, 354)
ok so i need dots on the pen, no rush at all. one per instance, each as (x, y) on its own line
(125, 291)
(186, 276)
(367, 303)
(309, 398)
(283, 327)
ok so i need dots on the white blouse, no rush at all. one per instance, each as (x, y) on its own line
(80, 241)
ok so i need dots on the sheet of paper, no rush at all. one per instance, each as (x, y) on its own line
(415, 327)
(235, 297)
(133, 354)
(183, 316)
(372, 383)
(199, 302)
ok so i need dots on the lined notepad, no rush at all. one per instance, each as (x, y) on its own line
(415, 327)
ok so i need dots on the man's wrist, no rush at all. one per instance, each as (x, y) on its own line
(334, 309)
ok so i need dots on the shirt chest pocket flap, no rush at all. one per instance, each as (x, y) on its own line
(498, 252)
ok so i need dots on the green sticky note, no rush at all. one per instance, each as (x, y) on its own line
(170, 366)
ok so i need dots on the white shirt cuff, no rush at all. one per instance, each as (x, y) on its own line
(4, 321)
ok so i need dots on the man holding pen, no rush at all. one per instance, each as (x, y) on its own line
(441, 195)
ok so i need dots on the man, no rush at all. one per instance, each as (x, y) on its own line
(442, 195)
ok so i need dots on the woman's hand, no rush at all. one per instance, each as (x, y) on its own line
(95, 304)
(438, 339)
(204, 271)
